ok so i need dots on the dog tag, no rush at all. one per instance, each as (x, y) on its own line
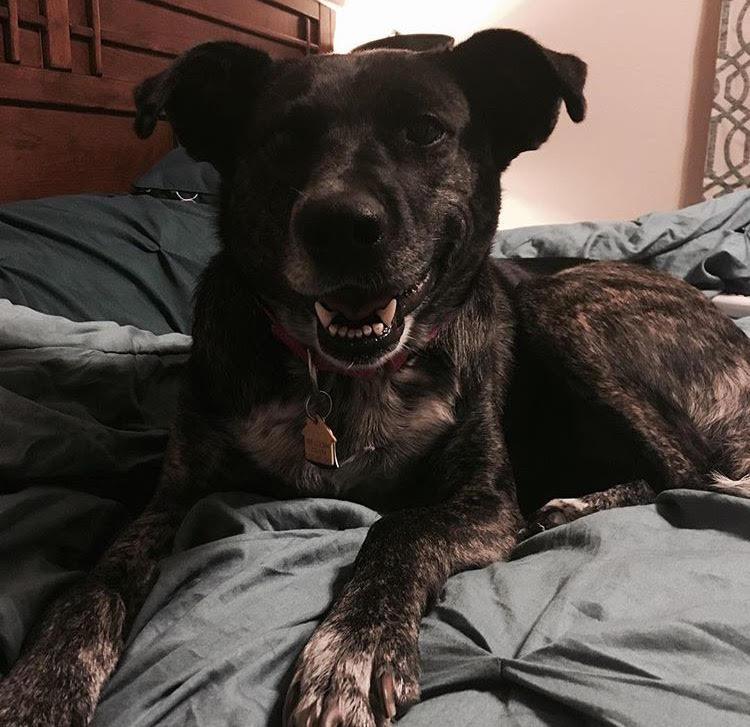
(320, 443)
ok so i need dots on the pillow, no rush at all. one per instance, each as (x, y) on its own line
(177, 172)
(130, 259)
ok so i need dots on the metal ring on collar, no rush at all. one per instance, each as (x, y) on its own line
(325, 399)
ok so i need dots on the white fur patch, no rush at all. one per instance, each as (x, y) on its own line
(728, 486)
(378, 433)
(561, 503)
(722, 399)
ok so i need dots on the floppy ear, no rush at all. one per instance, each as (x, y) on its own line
(515, 86)
(207, 94)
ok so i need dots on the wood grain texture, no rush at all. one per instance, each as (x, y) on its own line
(42, 87)
(254, 17)
(327, 28)
(97, 153)
(94, 17)
(67, 76)
(145, 32)
(78, 10)
(300, 7)
(31, 48)
(57, 34)
(12, 37)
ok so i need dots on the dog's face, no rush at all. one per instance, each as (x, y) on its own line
(361, 191)
(365, 150)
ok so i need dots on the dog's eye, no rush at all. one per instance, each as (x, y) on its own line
(425, 130)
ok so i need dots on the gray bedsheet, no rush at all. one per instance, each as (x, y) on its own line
(706, 244)
(632, 617)
(83, 400)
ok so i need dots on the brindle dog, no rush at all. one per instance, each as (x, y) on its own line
(360, 197)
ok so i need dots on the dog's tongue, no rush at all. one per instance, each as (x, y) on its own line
(352, 305)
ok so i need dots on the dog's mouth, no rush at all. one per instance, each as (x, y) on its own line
(358, 327)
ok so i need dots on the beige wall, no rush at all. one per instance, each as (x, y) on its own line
(649, 91)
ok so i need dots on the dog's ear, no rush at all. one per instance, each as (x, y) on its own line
(207, 94)
(515, 86)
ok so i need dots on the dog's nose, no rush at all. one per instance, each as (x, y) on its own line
(339, 223)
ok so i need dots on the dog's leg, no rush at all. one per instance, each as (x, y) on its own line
(58, 679)
(563, 510)
(659, 355)
(361, 665)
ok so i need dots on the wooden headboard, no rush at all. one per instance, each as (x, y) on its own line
(68, 68)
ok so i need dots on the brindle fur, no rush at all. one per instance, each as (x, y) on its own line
(634, 362)
(563, 510)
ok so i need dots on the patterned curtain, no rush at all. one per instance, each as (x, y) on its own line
(728, 155)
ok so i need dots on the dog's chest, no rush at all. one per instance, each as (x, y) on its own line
(380, 431)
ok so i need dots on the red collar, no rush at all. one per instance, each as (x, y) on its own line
(300, 351)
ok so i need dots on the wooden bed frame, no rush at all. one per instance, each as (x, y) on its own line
(68, 68)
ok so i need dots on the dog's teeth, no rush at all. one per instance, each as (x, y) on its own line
(367, 330)
(333, 329)
(378, 328)
(359, 333)
(388, 313)
(343, 331)
(351, 332)
(324, 315)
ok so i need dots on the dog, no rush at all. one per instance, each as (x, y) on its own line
(354, 339)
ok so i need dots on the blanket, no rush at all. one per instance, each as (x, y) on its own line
(630, 617)
(634, 617)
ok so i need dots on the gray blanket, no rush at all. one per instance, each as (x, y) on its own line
(632, 617)
(83, 400)
(706, 244)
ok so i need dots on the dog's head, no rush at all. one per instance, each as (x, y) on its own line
(361, 192)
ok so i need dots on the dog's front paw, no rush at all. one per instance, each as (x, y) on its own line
(555, 513)
(33, 695)
(56, 682)
(350, 678)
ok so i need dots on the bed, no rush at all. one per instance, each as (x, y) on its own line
(68, 67)
(635, 616)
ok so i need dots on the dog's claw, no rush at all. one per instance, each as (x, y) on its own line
(559, 511)
(388, 694)
(527, 532)
(346, 681)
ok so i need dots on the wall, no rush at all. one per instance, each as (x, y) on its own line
(649, 90)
